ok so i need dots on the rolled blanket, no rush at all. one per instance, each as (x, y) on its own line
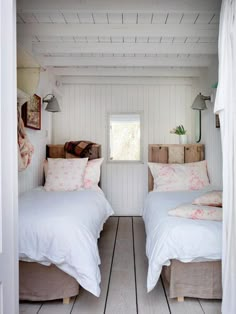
(78, 148)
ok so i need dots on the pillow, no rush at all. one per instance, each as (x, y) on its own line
(176, 177)
(213, 198)
(197, 212)
(65, 174)
(92, 173)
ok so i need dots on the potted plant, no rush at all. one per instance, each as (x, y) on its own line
(182, 132)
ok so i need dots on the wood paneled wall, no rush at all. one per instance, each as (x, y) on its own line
(165, 103)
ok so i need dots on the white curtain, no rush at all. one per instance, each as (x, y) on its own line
(225, 106)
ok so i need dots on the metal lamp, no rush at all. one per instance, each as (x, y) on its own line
(52, 104)
(200, 104)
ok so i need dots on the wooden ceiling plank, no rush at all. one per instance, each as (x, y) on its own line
(28, 18)
(192, 39)
(167, 40)
(204, 18)
(71, 17)
(129, 39)
(179, 40)
(174, 18)
(189, 18)
(159, 18)
(43, 18)
(57, 18)
(130, 18)
(154, 39)
(86, 18)
(145, 18)
(215, 19)
(114, 18)
(117, 39)
(100, 18)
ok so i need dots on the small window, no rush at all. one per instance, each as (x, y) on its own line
(125, 137)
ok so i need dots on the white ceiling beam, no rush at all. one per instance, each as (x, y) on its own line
(192, 61)
(114, 30)
(113, 5)
(126, 48)
(139, 72)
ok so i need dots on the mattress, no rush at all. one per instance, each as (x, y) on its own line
(168, 238)
(62, 228)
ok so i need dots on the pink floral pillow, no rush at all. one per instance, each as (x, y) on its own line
(197, 212)
(65, 174)
(92, 173)
(213, 198)
(177, 177)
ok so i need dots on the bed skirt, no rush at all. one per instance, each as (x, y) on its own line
(198, 280)
(42, 283)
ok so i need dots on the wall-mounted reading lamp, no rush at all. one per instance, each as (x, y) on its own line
(199, 104)
(52, 104)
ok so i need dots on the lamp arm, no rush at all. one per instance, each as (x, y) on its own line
(45, 100)
(206, 97)
(200, 126)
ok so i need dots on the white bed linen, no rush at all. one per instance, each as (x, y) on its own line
(177, 238)
(62, 228)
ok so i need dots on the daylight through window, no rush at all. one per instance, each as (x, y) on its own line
(125, 137)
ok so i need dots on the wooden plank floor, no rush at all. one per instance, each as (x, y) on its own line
(123, 286)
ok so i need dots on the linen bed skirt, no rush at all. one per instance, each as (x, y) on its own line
(198, 280)
(41, 283)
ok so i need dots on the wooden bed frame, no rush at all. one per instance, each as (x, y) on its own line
(42, 283)
(198, 279)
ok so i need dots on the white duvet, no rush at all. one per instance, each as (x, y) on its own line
(177, 238)
(62, 228)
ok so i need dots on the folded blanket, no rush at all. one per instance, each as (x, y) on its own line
(78, 148)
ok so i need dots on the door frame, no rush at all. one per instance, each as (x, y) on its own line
(9, 301)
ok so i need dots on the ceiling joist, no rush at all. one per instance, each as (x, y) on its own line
(125, 48)
(203, 61)
(134, 72)
(114, 30)
(127, 5)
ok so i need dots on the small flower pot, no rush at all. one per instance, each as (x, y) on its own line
(183, 139)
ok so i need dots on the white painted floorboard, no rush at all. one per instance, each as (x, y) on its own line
(124, 274)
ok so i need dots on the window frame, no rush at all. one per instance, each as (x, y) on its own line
(108, 160)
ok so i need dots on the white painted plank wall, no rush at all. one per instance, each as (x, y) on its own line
(165, 103)
(32, 176)
(210, 134)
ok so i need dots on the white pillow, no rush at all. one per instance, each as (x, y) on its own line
(65, 174)
(177, 177)
(197, 212)
(92, 173)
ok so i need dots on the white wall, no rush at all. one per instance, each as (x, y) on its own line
(165, 103)
(33, 175)
(210, 134)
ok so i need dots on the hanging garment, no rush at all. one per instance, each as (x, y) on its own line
(225, 106)
(25, 148)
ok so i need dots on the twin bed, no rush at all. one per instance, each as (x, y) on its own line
(186, 251)
(59, 232)
(60, 229)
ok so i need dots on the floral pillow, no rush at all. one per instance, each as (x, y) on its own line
(197, 212)
(65, 174)
(213, 198)
(177, 177)
(92, 174)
